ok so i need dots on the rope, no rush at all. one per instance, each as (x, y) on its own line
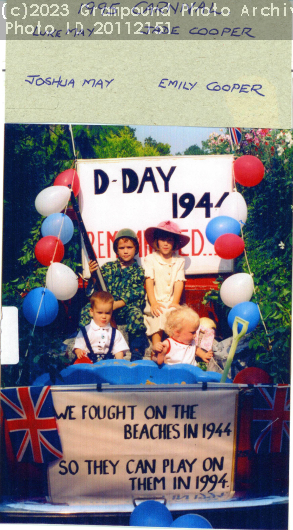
(249, 269)
(73, 146)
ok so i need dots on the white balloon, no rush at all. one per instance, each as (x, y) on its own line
(234, 206)
(62, 281)
(52, 200)
(236, 289)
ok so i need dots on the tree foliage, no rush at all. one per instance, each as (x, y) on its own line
(195, 150)
(163, 149)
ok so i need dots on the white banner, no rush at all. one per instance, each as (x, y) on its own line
(140, 192)
(121, 446)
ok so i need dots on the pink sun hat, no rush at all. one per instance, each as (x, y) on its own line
(170, 228)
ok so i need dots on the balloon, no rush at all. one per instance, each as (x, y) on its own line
(48, 308)
(47, 248)
(235, 206)
(52, 200)
(248, 170)
(62, 281)
(236, 289)
(229, 246)
(150, 513)
(51, 227)
(67, 177)
(246, 310)
(191, 520)
(221, 225)
(253, 376)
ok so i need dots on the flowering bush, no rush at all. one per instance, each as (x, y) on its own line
(268, 241)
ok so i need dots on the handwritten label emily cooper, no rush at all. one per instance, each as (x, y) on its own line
(214, 86)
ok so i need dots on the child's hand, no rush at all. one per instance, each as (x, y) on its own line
(158, 347)
(158, 354)
(156, 309)
(159, 351)
(204, 355)
(93, 265)
(79, 353)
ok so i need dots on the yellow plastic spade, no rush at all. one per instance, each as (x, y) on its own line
(236, 337)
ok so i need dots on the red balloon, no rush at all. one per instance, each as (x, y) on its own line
(248, 170)
(229, 246)
(69, 176)
(45, 249)
(253, 376)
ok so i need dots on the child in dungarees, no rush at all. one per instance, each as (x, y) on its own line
(164, 272)
(98, 339)
(124, 279)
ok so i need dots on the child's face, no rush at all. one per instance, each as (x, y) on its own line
(126, 251)
(186, 334)
(165, 245)
(101, 313)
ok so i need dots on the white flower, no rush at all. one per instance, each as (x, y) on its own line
(288, 137)
(281, 245)
(280, 150)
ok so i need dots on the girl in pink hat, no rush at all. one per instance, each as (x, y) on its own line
(164, 272)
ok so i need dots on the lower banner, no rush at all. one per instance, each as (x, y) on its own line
(120, 446)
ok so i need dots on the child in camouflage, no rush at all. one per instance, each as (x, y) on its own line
(124, 279)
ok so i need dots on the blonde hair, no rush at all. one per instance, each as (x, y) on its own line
(178, 318)
(207, 323)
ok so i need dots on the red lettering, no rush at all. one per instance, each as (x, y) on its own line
(110, 238)
(147, 248)
(100, 245)
(139, 236)
(193, 253)
(181, 253)
(91, 237)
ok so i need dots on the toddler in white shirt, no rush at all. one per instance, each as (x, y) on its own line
(98, 339)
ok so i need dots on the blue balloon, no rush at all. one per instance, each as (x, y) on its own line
(52, 224)
(191, 520)
(151, 513)
(218, 226)
(246, 310)
(48, 308)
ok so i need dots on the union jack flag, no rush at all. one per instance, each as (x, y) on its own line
(31, 423)
(235, 135)
(271, 417)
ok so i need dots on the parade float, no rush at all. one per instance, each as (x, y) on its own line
(105, 438)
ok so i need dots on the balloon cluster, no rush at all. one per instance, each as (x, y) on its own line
(223, 232)
(156, 514)
(40, 306)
